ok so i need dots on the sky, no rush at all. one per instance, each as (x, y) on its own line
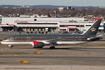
(54, 2)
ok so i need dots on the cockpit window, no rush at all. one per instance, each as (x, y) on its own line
(11, 38)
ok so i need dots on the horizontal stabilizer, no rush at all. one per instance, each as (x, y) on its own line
(93, 38)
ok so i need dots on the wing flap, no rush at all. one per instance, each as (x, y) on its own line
(54, 40)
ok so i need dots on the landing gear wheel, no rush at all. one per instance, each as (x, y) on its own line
(10, 46)
(52, 46)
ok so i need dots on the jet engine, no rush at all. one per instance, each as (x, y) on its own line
(38, 44)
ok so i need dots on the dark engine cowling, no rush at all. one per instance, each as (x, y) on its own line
(38, 45)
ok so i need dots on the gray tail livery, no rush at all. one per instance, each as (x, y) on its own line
(94, 28)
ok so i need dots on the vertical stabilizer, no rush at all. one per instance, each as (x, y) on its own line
(94, 28)
(49, 16)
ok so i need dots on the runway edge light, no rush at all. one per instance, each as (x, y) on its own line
(37, 52)
(2, 50)
(23, 61)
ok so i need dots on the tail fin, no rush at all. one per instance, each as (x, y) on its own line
(94, 28)
(49, 15)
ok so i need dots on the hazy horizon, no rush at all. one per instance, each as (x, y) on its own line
(54, 2)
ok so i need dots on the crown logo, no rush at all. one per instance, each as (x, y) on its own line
(93, 29)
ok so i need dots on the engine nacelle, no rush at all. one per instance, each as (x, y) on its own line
(38, 44)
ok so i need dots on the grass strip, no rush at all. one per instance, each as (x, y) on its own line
(13, 53)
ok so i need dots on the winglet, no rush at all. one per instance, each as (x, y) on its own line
(94, 28)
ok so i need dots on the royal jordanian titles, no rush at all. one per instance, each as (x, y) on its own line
(40, 40)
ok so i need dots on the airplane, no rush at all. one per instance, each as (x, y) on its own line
(49, 16)
(40, 40)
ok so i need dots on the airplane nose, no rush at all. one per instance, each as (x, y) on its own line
(1, 42)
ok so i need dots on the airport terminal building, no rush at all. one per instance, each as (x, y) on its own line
(44, 24)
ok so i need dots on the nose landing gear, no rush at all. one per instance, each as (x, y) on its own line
(10, 46)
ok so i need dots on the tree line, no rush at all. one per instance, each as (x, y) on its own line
(30, 11)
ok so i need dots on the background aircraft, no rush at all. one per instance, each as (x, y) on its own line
(40, 40)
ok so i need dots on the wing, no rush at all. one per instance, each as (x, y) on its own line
(52, 41)
(95, 38)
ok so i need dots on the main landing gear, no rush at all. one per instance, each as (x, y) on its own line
(52, 46)
(10, 46)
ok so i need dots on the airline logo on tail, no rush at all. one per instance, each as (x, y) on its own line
(49, 16)
(93, 29)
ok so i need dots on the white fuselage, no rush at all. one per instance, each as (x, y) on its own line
(30, 43)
